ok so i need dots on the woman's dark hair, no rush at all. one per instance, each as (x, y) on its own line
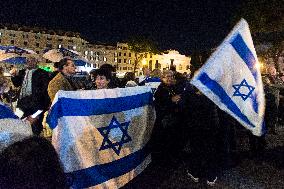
(31, 163)
(108, 67)
(63, 62)
(102, 72)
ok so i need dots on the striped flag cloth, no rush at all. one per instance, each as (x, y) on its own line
(231, 79)
(102, 136)
(153, 82)
(12, 129)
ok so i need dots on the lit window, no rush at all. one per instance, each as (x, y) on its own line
(92, 53)
(59, 46)
(115, 54)
(105, 59)
(86, 52)
(115, 59)
(74, 47)
(129, 61)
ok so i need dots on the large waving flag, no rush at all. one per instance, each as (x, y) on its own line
(14, 54)
(231, 79)
(102, 136)
(12, 129)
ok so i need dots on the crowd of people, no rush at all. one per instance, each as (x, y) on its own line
(188, 127)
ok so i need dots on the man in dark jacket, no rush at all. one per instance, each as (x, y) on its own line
(33, 94)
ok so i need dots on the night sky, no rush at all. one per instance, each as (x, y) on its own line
(183, 25)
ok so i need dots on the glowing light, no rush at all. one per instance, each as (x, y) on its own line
(144, 62)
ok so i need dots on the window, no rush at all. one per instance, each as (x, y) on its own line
(115, 59)
(59, 39)
(129, 54)
(12, 35)
(119, 60)
(115, 54)
(25, 43)
(124, 68)
(86, 52)
(92, 53)
(124, 48)
(0, 34)
(59, 46)
(119, 54)
(124, 54)
(94, 65)
(37, 44)
(129, 68)
(49, 38)
(70, 47)
(37, 37)
(74, 47)
(180, 67)
(105, 59)
(124, 61)
(37, 52)
(70, 41)
(12, 41)
(129, 61)
(151, 55)
(48, 45)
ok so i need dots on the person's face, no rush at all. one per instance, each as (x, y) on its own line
(168, 79)
(69, 68)
(101, 82)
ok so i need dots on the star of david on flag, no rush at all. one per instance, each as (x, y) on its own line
(231, 79)
(239, 91)
(115, 135)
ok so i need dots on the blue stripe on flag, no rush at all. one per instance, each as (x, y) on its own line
(224, 97)
(89, 107)
(152, 79)
(6, 113)
(101, 173)
(16, 60)
(244, 52)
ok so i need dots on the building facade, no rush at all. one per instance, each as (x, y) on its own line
(119, 55)
(39, 39)
(165, 60)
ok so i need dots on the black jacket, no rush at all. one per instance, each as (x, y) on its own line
(39, 99)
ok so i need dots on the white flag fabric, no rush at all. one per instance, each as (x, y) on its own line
(102, 136)
(231, 79)
(12, 129)
(153, 82)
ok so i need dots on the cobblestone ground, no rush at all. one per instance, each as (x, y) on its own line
(264, 171)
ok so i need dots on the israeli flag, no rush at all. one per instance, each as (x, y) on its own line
(231, 79)
(102, 136)
(12, 129)
(153, 82)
